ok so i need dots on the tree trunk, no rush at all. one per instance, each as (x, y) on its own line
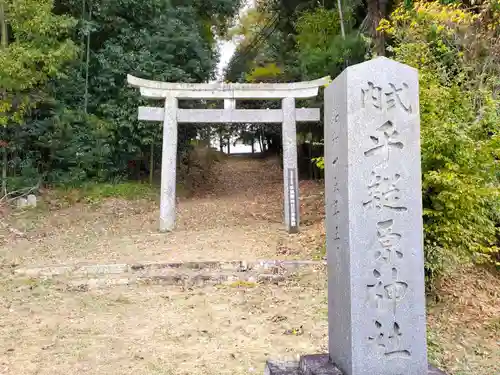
(4, 171)
(3, 25)
(311, 166)
(376, 11)
(151, 163)
(253, 145)
(82, 43)
(4, 43)
(221, 143)
(228, 146)
(86, 98)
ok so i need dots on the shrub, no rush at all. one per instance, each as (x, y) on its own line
(460, 123)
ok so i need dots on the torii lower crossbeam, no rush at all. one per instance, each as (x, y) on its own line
(229, 115)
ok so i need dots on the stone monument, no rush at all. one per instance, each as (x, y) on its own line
(376, 295)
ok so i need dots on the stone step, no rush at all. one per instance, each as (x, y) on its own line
(88, 270)
(176, 277)
(316, 364)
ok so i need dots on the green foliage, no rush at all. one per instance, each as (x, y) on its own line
(320, 162)
(321, 49)
(94, 193)
(59, 146)
(35, 48)
(316, 27)
(58, 143)
(460, 132)
(460, 123)
(264, 73)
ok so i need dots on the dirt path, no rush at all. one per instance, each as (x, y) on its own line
(157, 330)
(240, 217)
(47, 329)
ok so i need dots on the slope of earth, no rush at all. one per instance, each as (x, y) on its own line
(237, 217)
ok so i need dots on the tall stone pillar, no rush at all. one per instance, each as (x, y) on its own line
(376, 299)
(168, 166)
(290, 168)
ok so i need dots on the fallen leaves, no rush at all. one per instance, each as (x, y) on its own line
(238, 215)
(295, 331)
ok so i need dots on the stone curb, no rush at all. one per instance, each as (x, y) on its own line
(316, 364)
(124, 268)
(176, 279)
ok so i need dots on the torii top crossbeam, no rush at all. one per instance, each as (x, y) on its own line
(219, 90)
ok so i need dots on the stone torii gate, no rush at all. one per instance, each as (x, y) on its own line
(171, 115)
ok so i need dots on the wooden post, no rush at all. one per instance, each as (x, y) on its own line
(151, 163)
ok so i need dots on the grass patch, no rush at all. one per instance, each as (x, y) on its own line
(319, 253)
(96, 192)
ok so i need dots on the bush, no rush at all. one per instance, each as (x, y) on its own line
(460, 123)
(460, 129)
(59, 147)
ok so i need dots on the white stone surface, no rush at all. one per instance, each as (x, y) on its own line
(229, 104)
(168, 166)
(31, 200)
(374, 221)
(22, 202)
(229, 115)
(247, 95)
(290, 167)
(220, 90)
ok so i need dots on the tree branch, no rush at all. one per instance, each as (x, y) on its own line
(23, 192)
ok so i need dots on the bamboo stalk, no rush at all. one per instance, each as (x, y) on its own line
(151, 163)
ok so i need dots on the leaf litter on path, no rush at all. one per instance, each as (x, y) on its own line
(240, 216)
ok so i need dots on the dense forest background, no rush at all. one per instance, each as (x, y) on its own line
(67, 116)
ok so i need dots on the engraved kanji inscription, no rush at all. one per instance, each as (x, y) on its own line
(393, 96)
(386, 293)
(383, 192)
(388, 340)
(292, 197)
(335, 120)
(384, 141)
(335, 116)
(390, 251)
(371, 96)
(336, 191)
(336, 210)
